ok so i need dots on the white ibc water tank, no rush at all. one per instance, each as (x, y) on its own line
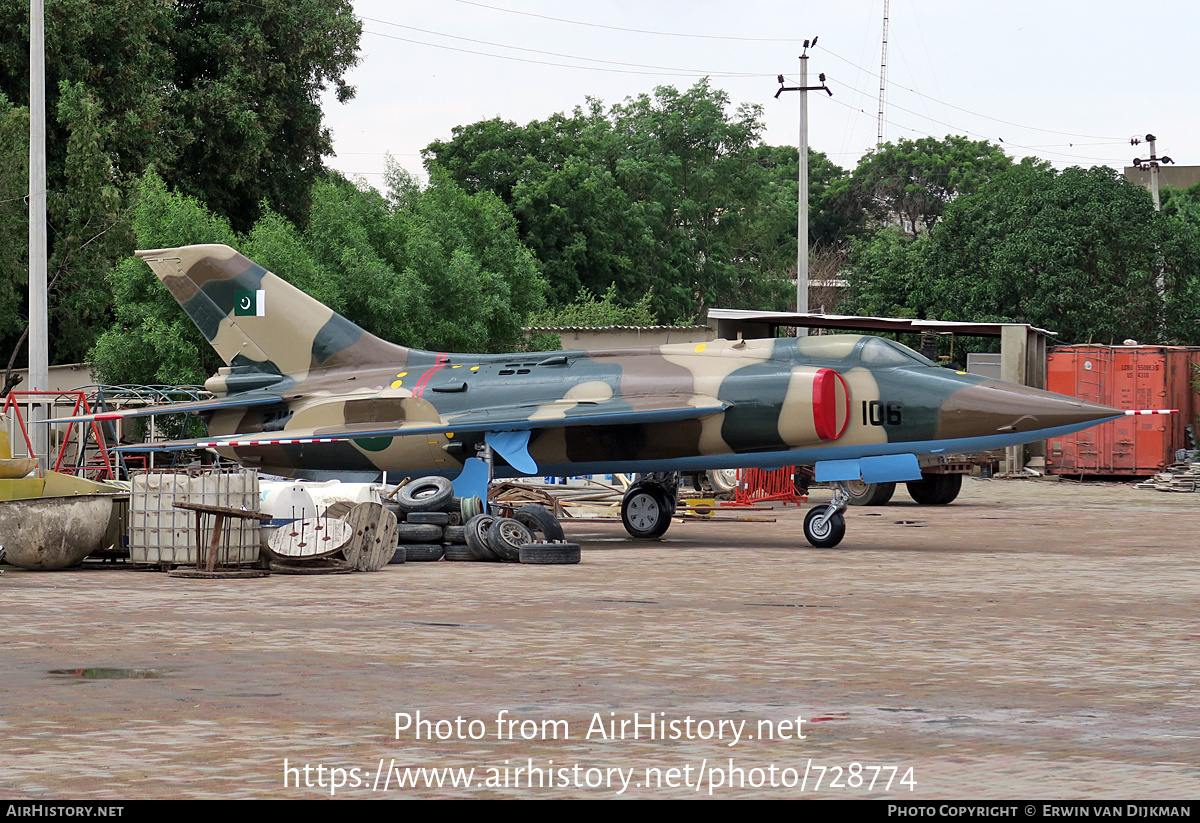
(326, 494)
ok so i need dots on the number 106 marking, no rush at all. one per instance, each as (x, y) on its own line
(876, 413)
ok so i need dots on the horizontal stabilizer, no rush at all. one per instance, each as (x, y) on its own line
(232, 402)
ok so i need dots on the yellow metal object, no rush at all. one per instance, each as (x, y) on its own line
(21, 489)
(5, 449)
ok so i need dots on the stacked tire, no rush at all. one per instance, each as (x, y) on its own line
(425, 509)
(433, 526)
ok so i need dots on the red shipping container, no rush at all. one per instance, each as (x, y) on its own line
(1126, 377)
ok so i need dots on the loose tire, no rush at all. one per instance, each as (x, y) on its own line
(418, 532)
(935, 489)
(417, 553)
(869, 494)
(723, 481)
(459, 552)
(476, 532)
(644, 512)
(506, 536)
(428, 494)
(540, 521)
(431, 518)
(827, 535)
(550, 554)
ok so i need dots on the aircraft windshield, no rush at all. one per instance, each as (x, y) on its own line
(876, 351)
(870, 351)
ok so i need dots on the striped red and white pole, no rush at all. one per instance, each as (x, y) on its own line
(1130, 412)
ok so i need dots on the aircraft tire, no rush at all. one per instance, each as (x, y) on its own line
(426, 494)
(506, 536)
(644, 512)
(827, 536)
(418, 532)
(550, 553)
(540, 521)
(458, 552)
(869, 494)
(723, 481)
(935, 489)
(417, 553)
(476, 532)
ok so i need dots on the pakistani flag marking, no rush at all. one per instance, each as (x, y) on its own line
(250, 303)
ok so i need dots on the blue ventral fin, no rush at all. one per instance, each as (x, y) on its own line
(472, 481)
(513, 447)
(890, 468)
(884, 468)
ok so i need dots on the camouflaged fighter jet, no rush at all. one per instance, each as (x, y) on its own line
(306, 393)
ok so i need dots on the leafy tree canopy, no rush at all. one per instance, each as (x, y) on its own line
(670, 192)
(1077, 251)
(914, 180)
(220, 96)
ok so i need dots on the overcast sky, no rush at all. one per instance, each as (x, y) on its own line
(1067, 80)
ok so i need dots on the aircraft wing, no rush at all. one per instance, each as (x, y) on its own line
(236, 401)
(498, 419)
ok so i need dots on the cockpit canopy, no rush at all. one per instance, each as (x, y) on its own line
(849, 350)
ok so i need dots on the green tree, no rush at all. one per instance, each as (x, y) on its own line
(220, 97)
(245, 90)
(915, 180)
(1077, 251)
(666, 192)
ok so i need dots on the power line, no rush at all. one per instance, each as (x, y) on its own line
(1003, 144)
(633, 31)
(666, 72)
(975, 113)
(559, 54)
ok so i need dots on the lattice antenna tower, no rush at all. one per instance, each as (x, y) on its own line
(882, 75)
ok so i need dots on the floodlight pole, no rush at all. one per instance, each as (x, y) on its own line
(39, 361)
(802, 183)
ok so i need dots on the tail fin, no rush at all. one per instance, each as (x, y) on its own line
(255, 319)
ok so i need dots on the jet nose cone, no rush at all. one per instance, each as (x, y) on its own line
(993, 407)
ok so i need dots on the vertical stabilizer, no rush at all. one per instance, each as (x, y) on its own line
(255, 318)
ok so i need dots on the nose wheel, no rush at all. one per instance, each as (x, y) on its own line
(825, 526)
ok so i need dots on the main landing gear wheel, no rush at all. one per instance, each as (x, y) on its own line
(869, 494)
(935, 489)
(645, 512)
(824, 532)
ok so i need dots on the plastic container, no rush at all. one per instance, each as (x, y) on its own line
(160, 534)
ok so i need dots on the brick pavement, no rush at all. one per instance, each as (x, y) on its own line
(1033, 639)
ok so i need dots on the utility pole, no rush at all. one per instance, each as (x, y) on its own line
(1152, 164)
(39, 361)
(882, 76)
(802, 182)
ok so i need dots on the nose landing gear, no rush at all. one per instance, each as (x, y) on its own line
(825, 526)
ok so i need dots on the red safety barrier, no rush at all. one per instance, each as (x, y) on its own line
(762, 486)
